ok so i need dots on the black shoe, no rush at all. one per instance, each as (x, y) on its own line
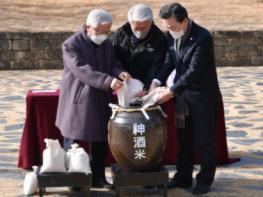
(149, 187)
(101, 183)
(201, 189)
(75, 189)
(181, 184)
(154, 187)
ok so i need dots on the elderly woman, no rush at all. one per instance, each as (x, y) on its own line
(140, 45)
(90, 73)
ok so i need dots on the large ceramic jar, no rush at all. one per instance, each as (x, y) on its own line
(137, 137)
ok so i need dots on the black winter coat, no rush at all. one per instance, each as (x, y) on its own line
(144, 60)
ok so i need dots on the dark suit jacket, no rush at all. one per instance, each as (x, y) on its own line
(196, 77)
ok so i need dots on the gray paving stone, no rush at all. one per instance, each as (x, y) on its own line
(16, 140)
(235, 117)
(31, 85)
(11, 175)
(11, 132)
(8, 150)
(229, 95)
(247, 161)
(245, 141)
(233, 77)
(256, 120)
(4, 144)
(2, 121)
(226, 111)
(7, 165)
(259, 76)
(229, 176)
(241, 124)
(38, 80)
(248, 90)
(255, 187)
(7, 108)
(258, 153)
(12, 137)
(249, 95)
(14, 127)
(8, 158)
(248, 112)
(254, 172)
(236, 133)
(12, 98)
(243, 102)
(260, 84)
(239, 107)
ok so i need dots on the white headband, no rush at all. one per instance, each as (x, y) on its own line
(98, 16)
(140, 13)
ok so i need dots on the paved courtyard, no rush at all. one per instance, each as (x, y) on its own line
(242, 89)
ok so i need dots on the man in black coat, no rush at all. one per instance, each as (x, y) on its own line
(196, 94)
(140, 46)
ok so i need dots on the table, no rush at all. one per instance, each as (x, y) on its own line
(41, 110)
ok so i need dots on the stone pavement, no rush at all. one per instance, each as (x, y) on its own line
(242, 89)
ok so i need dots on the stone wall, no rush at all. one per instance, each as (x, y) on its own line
(233, 48)
(23, 50)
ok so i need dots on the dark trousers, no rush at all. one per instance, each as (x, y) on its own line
(98, 153)
(199, 133)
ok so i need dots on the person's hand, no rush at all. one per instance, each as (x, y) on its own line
(165, 94)
(153, 86)
(116, 84)
(124, 76)
(141, 93)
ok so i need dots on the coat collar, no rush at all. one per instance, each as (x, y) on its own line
(187, 40)
(189, 35)
(126, 29)
(83, 32)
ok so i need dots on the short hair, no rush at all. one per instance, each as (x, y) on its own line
(140, 13)
(174, 10)
(97, 17)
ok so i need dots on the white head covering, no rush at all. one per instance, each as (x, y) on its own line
(140, 13)
(98, 16)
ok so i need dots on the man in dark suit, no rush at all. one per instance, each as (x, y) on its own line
(195, 91)
(140, 46)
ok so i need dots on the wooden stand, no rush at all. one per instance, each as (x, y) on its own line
(157, 178)
(63, 180)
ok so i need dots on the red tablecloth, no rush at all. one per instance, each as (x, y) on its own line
(41, 110)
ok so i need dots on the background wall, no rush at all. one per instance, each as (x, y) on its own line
(22, 50)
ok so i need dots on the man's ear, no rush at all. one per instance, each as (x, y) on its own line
(152, 22)
(185, 24)
(88, 28)
(186, 20)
